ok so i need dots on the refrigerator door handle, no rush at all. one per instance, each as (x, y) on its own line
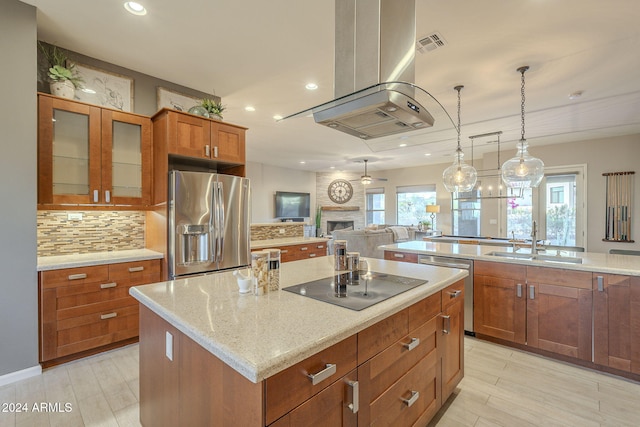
(220, 230)
(213, 224)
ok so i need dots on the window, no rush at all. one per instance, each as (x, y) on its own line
(412, 201)
(557, 205)
(375, 206)
(465, 214)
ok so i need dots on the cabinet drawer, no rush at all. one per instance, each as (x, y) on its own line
(90, 293)
(74, 276)
(289, 388)
(136, 273)
(97, 308)
(559, 277)
(452, 294)
(400, 256)
(410, 397)
(386, 368)
(376, 338)
(423, 311)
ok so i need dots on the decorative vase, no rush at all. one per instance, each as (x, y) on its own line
(63, 89)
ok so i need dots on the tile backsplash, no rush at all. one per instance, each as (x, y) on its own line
(97, 231)
(273, 231)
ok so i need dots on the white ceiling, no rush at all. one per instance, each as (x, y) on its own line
(262, 53)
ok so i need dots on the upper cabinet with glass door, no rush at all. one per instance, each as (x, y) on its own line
(89, 155)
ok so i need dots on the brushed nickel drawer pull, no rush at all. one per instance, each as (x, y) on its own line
(398, 255)
(414, 396)
(532, 292)
(446, 324)
(322, 247)
(413, 344)
(311, 255)
(355, 396)
(108, 316)
(330, 369)
(108, 285)
(519, 290)
(284, 251)
(304, 248)
(134, 269)
(454, 294)
(77, 276)
(207, 151)
(600, 283)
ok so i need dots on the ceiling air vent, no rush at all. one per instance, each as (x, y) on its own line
(431, 42)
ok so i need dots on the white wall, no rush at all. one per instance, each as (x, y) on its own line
(600, 155)
(266, 180)
(18, 119)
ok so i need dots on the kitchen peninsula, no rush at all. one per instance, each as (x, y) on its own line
(209, 353)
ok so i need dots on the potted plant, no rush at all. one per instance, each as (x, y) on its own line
(318, 222)
(63, 76)
(214, 108)
(426, 224)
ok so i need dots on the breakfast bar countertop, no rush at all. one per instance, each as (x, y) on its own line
(586, 261)
(58, 262)
(259, 336)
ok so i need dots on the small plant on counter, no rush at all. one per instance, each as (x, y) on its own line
(213, 107)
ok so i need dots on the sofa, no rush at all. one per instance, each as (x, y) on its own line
(367, 241)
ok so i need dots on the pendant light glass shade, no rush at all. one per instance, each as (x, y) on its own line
(459, 177)
(524, 170)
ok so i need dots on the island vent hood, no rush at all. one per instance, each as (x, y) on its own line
(374, 70)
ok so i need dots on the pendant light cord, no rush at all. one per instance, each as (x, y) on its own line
(459, 149)
(522, 71)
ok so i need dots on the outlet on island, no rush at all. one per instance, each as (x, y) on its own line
(74, 216)
(281, 230)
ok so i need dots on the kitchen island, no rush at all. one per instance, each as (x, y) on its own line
(208, 352)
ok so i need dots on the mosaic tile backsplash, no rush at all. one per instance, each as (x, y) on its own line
(272, 231)
(98, 231)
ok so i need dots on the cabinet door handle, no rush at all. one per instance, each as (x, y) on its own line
(311, 255)
(532, 292)
(284, 251)
(108, 285)
(320, 246)
(600, 283)
(330, 369)
(108, 316)
(107, 196)
(215, 151)
(77, 276)
(413, 344)
(454, 294)
(446, 324)
(398, 255)
(519, 290)
(207, 150)
(95, 196)
(414, 396)
(134, 269)
(304, 248)
(355, 396)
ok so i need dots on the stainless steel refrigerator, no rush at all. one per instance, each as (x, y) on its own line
(208, 222)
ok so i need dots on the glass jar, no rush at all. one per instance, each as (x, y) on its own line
(353, 265)
(260, 272)
(340, 254)
(274, 269)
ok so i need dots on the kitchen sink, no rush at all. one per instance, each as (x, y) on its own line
(369, 289)
(538, 257)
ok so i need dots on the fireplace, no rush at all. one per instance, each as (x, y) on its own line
(338, 225)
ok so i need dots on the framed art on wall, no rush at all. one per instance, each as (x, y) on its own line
(178, 101)
(105, 88)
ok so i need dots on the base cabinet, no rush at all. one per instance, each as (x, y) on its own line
(388, 374)
(616, 304)
(297, 252)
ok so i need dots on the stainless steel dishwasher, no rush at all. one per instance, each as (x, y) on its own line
(463, 264)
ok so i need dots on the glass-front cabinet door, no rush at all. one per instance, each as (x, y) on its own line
(126, 147)
(68, 152)
(89, 155)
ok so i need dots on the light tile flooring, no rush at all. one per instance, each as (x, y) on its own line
(502, 387)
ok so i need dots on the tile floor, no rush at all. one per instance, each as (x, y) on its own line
(502, 387)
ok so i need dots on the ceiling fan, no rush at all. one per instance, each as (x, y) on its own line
(367, 179)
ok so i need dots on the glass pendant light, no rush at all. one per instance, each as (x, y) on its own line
(524, 170)
(459, 177)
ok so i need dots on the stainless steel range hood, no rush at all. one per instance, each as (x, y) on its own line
(375, 44)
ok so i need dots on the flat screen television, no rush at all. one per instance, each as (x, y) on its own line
(292, 205)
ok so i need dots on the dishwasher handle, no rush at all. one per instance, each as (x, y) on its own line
(444, 264)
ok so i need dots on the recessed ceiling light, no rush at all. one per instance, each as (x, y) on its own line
(135, 8)
(427, 154)
(332, 167)
(311, 86)
(277, 117)
(249, 108)
(402, 145)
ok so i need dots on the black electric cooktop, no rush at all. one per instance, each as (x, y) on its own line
(356, 292)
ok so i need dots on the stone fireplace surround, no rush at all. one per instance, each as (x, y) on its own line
(338, 225)
(323, 179)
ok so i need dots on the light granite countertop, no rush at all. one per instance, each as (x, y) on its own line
(285, 241)
(590, 261)
(57, 262)
(260, 336)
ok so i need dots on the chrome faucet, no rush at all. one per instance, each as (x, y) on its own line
(534, 238)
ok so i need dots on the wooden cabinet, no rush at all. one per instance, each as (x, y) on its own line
(616, 303)
(499, 300)
(451, 346)
(199, 137)
(559, 304)
(400, 256)
(89, 307)
(89, 155)
(302, 251)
